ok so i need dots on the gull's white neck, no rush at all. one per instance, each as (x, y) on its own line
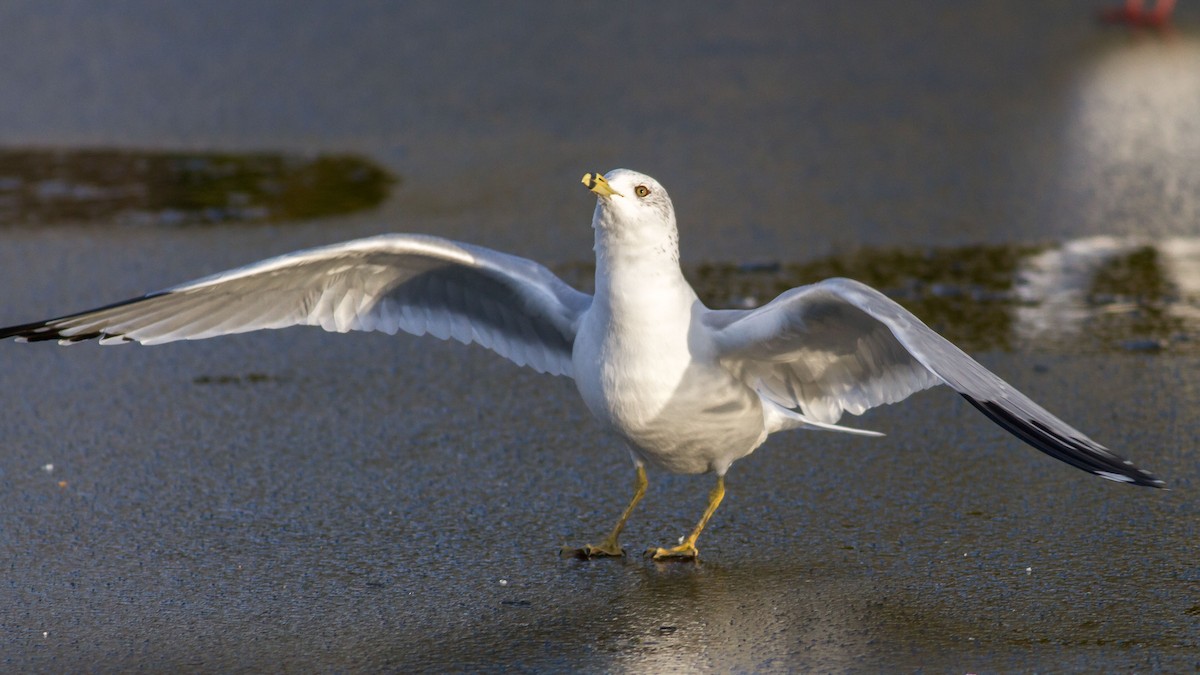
(632, 348)
(637, 269)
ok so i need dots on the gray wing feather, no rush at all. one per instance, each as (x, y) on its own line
(840, 345)
(390, 283)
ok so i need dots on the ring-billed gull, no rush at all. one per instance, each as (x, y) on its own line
(689, 389)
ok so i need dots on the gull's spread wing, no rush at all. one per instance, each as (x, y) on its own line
(388, 283)
(840, 345)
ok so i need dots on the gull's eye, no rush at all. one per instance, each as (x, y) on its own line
(641, 190)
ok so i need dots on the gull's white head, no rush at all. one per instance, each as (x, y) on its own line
(632, 209)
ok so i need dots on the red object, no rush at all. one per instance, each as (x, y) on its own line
(1134, 13)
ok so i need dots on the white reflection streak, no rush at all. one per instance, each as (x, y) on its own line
(1180, 258)
(1130, 168)
(1132, 139)
(1053, 286)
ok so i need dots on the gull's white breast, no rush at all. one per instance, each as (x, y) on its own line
(652, 377)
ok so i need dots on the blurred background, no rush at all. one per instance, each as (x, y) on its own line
(1022, 175)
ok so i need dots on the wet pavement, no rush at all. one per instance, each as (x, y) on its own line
(295, 500)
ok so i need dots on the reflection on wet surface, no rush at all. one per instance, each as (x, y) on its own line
(157, 187)
(1129, 133)
(1091, 295)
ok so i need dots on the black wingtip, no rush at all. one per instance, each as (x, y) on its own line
(45, 331)
(1080, 452)
(53, 329)
(30, 332)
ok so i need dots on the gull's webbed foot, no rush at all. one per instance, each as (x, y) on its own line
(686, 550)
(609, 548)
(683, 552)
(589, 551)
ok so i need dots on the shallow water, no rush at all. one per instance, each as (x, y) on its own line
(295, 500)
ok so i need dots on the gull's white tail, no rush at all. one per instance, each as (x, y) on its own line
(779, 418)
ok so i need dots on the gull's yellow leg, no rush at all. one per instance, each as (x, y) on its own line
(610, 546)
(687, 550)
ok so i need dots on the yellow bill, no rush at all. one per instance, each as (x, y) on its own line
(596, 183)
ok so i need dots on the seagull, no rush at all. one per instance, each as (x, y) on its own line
(688, 389)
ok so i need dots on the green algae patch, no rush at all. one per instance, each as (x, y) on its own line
(170, 188)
